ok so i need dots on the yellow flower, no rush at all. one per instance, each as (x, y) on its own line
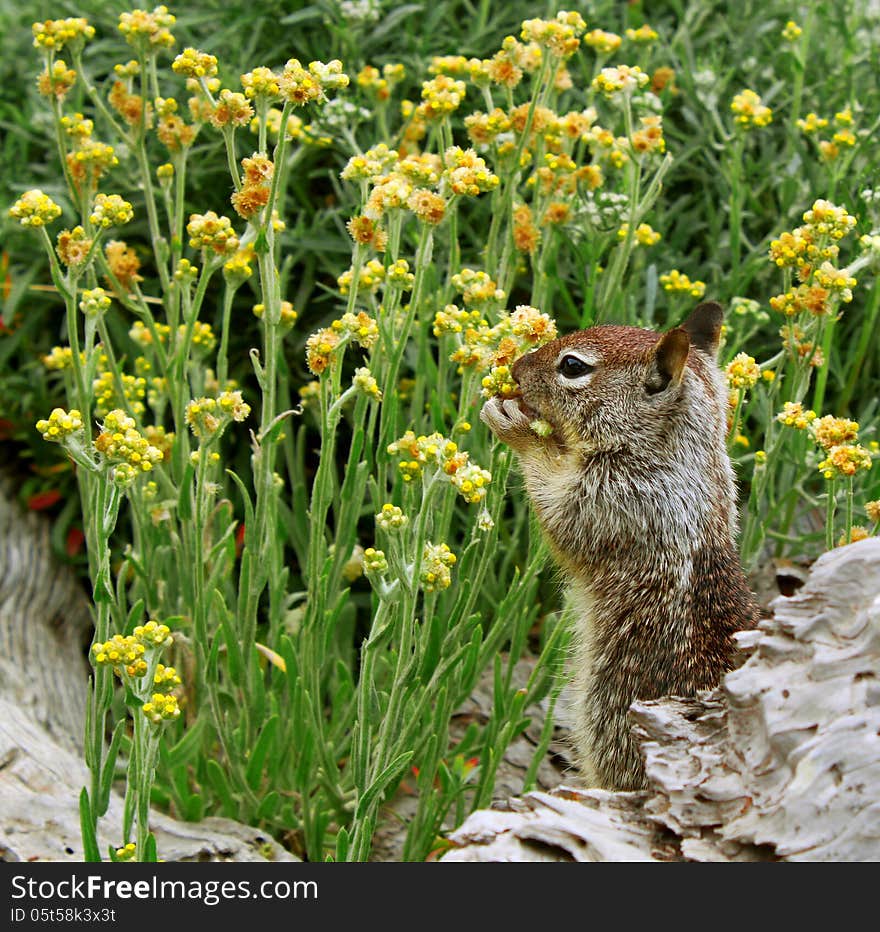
(830, 431)
(60, 425)
(161, 708)
(603, 42)
(148, 30)
(791, 32)
(56, 81)
(794, 415)
(437, 560)
(391, 518)
(34, 209)
(857, 532)
(742, 371)
(645, 235)
(195, 64)
(750, 110)
(677, 282)
(366, 384)
(844, 461)
(622, 79)
(110, 210)
(319, 349)
(54, 34)
(811, 123)
(209, 231)
(262, 82)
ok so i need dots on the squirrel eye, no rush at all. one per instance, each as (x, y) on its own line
(572, 367)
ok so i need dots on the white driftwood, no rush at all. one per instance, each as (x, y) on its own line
(781, 762)
(44, 629)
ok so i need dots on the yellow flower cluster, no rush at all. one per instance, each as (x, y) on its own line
(515, 333)
(34, 209)
(54, 34)
(370, 277)
(125, 448)
(603, 43)
(477, 289)
(375, 563)
(161, 708)
(320, 348)
(441, 96)
(466, 173)
(166, 676)
(366, 384)
(206, 417)
(121, 653)
(750, 111)
(74, 246)
(643, 35)
(300, 85)
(836, 280)
(742, 372)
(209, 231)
(58, 358)
(560, 36)
(391, 518)
(619, 80)
(56, 80)
(148, 31)
(195, 64)
(499, 382)
(677, 282)
(794, 415)
(791, 31)
(830, 431)
(453, 319)
(437, 561)
(110, 210)
(811, 123)
(94, 302)
(61, 424)
(443, 457)
(809, 249)
(233, 109)
(645, 235)
(844, 461)
(288, 314)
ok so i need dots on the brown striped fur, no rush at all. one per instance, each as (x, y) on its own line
(635, 493)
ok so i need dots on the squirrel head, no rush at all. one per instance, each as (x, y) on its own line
(612, 387)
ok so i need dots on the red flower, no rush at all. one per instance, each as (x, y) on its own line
(43, 500)
(74, 542)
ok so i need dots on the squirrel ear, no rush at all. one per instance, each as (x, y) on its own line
(703, 326)
(668, 360)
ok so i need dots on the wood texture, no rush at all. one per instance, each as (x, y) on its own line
(45, 628)
(781, 762)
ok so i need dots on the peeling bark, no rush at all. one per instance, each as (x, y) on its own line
(781, 762)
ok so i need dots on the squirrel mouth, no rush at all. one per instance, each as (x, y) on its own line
(531, 413)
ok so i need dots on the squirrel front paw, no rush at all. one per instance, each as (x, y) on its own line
(511, 422)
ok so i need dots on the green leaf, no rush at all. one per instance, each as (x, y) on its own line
(185, 496)
(391, 773)
(217, 779)
(91, 852)
(343, 840)
(109, 769)
(149, 854)
(269, 806)
(189, 745)
(254, 771)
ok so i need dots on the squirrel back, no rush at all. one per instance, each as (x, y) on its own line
(635, 492)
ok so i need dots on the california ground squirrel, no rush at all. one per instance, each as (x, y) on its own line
(635, 493)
